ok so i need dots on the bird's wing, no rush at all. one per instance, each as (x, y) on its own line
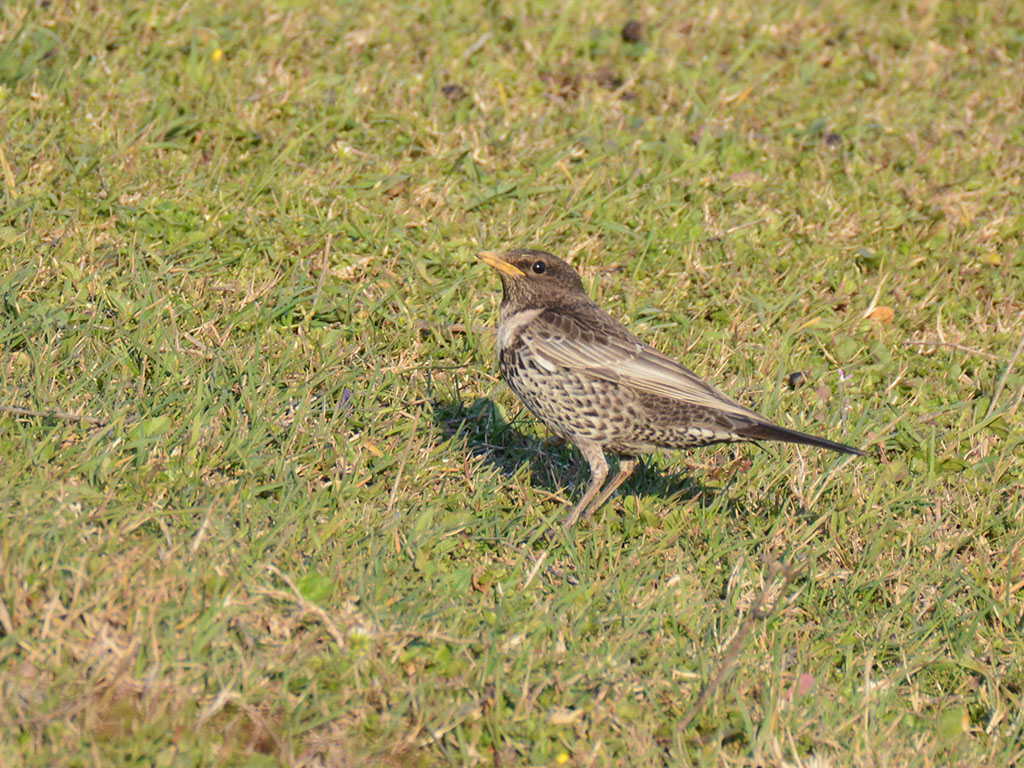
(608, 351)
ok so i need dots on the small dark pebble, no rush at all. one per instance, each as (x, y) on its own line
(796, 379)
(453, 92)
(632, 31)
(833, 139)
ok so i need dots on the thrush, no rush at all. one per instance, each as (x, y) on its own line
(596, 385)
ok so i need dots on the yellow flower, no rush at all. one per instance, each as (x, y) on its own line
(563, 758)
(218, 55)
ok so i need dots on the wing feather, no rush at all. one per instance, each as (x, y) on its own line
(614, 354)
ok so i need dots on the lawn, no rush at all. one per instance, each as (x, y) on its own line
(264, 499)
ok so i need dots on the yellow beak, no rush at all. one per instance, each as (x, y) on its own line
(493, 259)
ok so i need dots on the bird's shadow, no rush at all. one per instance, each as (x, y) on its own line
(553, 465)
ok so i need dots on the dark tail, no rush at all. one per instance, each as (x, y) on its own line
(763, 431)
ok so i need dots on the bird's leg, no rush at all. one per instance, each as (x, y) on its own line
(626, 466)
(598, 472)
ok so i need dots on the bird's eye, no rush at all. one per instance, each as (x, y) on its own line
(539, 267)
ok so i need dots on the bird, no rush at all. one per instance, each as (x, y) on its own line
(596, 385)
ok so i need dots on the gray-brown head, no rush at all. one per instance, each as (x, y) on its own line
(532, 278)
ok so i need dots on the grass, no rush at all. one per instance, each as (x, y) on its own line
(265, 500)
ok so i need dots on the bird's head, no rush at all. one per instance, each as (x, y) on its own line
(530, 278)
